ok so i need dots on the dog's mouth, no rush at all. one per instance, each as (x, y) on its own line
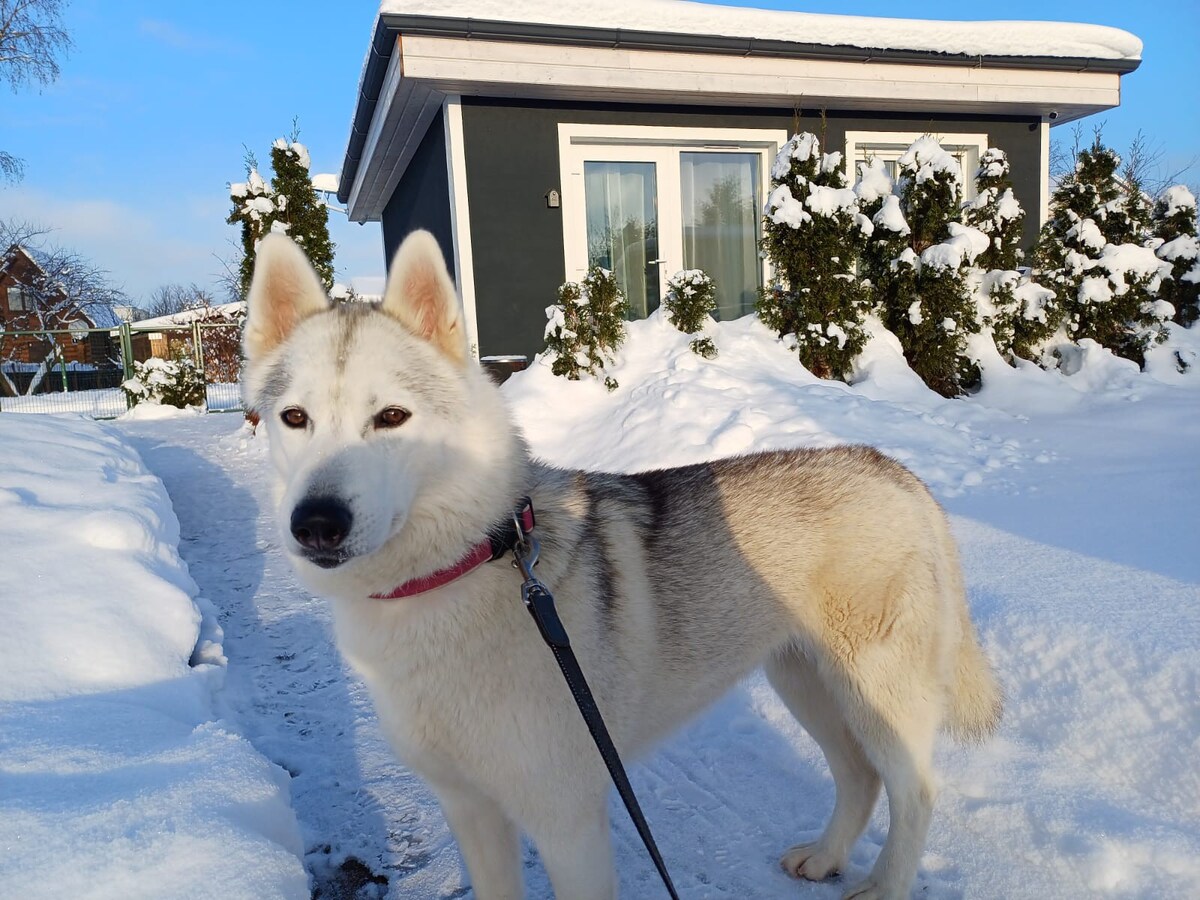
(326, 560)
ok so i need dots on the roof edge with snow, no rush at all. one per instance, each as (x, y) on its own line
(1114, 51)
(1111, 59)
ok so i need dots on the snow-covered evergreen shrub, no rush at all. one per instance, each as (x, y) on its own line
(289, 204)
(1014, 308)
(255, 209)
(923, 293)
(303, 216)
(1174, 226)
(886, 274)
(1092, 253)
(690, 302)
(586, 326)
(996, 212)
(812, 234)
(175, 382)
(1017, 311)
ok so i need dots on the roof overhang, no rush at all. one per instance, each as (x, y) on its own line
(416, 61)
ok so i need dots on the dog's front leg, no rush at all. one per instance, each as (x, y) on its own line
(487, 839)
(576, 849)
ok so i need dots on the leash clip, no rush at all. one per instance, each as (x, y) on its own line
(525, 550)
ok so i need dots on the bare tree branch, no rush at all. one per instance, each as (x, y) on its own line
(229, 278)
(1064, 153)
(31, 40)
(169, 299)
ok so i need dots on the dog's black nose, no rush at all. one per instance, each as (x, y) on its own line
(321, 524)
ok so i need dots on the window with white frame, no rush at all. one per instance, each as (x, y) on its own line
(647, 201)
(889, 146)
(19, 298)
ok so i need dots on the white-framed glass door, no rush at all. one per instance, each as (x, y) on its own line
(721, 200)
(623, 230)
(645, 202)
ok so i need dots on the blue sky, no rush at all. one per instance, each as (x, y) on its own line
(129, 154)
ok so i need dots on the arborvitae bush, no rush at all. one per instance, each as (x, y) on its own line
(586, 326)
(1174, 227)
(1019, 312)
(690, 302)
(1092, 253)
(301, 212)
(812, 234)
(996, 212)
(255, 210)
(289, 204)
(925, 299)
(885, 278)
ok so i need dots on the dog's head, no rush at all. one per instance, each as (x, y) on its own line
(388, 439)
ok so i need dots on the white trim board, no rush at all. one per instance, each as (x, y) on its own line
(460, 218)
(520, 69)
(1044, 179)
(403, 115)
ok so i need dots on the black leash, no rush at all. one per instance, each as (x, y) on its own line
(540, 604)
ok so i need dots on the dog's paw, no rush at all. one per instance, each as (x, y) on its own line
(810, 861)
(872, 890)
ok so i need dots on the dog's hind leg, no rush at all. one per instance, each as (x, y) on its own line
(796, 681)
(488, 841)
(894, 711)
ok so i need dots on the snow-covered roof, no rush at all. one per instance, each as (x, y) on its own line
(998, 38)
(724, 57)
(325, 182)
(227, 311)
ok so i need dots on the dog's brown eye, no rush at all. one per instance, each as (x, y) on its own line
(392, 417)
(294, 417)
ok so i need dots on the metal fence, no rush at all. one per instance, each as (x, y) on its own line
(80, 370)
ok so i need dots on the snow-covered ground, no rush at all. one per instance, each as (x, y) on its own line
(1074, 499)
(118, 776)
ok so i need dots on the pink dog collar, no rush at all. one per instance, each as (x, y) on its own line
(502, 539)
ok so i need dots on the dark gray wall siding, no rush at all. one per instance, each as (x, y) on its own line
(422, 198)
(511, 150)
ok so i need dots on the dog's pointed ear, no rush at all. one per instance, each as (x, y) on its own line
(421, 295)
(285, 290)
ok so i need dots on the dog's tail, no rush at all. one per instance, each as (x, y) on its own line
(976, 699)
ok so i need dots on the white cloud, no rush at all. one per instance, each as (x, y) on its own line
(191, 42)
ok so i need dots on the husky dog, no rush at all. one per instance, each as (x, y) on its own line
(833, 569)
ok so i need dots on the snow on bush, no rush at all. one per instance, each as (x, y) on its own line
(587, 325)
(1174, 225)
(175, 382)
(690, 301)
(289, 205)
(918, 261)
(1013, 309)
(812, 235)
(1093, 254)
(996, 212)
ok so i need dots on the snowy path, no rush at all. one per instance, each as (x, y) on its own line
(286, 685)
(1090, 789)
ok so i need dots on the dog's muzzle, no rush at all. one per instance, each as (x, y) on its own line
(320, 526)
